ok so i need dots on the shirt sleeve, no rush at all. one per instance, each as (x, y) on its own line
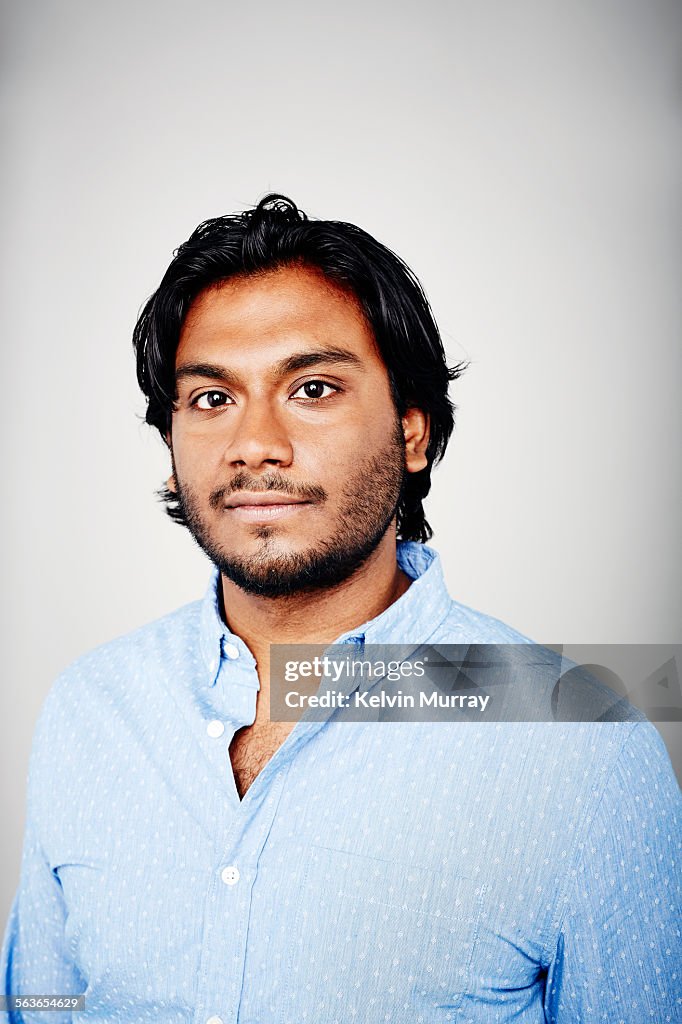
(618, 956)
(35, 958)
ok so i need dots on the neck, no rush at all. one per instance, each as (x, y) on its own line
(318, 617)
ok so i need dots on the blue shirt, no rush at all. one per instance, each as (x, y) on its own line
(403, 872)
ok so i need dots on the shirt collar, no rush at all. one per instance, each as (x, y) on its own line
(215, 638)
(413, 618)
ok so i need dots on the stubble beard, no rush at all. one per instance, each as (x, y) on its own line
(368, 506)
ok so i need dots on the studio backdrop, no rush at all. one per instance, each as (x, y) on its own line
(524, 159)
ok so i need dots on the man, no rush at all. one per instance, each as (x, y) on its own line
(186, 858)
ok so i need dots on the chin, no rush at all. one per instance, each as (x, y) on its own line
(269, 542)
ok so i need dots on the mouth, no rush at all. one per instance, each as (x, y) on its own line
(252, 507)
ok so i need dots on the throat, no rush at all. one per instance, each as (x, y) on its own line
(309, 618)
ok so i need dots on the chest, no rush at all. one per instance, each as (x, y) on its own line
(252, 748)
(391, 861)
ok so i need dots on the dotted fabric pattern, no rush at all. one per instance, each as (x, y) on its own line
(402, 872)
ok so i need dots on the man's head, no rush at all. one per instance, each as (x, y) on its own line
(298, 362)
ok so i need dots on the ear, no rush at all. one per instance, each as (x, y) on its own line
(416, 432)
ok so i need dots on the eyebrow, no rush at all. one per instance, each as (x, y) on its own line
(299, 361)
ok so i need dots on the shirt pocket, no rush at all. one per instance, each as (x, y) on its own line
(129, 915)
(377, 940)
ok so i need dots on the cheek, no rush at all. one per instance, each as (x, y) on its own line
(330, 456)
(368, 426)
(195, 455)
(371, 439)
(335, 458)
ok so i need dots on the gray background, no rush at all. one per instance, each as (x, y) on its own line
(524, 158)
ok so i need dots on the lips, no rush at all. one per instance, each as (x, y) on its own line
(254, 499)
(258, 507)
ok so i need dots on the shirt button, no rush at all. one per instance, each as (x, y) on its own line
(230, 876)
(214, 1020)
(215, 729)
(232, 651)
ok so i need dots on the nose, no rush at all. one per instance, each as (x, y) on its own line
(259, 438)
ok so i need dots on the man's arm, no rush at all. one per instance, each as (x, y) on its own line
(618, 955)
(34, 956)
(35, 959)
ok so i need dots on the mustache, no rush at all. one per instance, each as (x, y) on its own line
(243, 482)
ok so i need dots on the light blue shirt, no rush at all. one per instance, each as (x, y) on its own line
(403, 872)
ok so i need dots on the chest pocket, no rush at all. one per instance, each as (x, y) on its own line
(376, 940)
(128, 915)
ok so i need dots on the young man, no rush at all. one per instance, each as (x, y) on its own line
(187, 859)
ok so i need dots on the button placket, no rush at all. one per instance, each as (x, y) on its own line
(241, 845)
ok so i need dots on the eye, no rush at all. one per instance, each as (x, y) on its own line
(314, 389)
(211, 400)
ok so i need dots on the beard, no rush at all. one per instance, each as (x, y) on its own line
(368, 506)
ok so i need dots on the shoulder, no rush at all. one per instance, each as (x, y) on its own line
(106, 701)
(465, 624)
(643, 769)
(460, 624)
(161, 637)
(130, 661)
(641, 804)
(617, 777)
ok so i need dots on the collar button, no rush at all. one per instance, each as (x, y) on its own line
(231, 651)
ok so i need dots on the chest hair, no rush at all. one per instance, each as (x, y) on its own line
(251, 749)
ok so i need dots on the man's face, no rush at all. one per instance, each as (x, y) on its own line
(288, 453)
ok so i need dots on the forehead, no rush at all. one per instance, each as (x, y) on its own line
(265, 316)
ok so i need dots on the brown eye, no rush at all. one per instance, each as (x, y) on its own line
(315, 389)
(211, 400)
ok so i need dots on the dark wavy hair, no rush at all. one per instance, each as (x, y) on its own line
(278, 234)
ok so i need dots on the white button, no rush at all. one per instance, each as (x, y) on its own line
(215, 729)
(230, 876)
(214, 1020)
(232, 651)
